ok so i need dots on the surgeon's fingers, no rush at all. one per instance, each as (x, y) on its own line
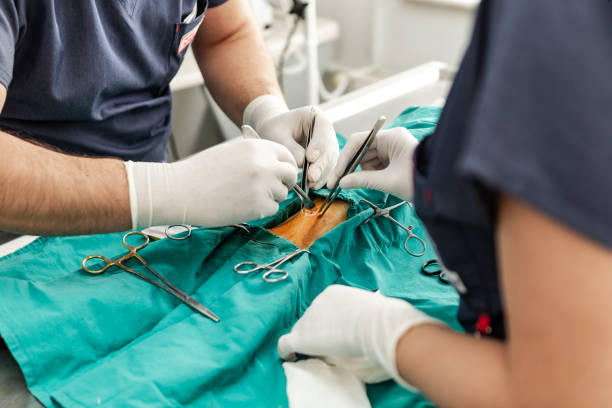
(319, 170)
(279, 192)
(287, 349)
(372, 179)
(323, 150)
(323, 137)
(373, 164)
(286, 173)
(267, 208)
(297, 151)
(362, 367)
(303, 341)
(351, 147)
(282, 153)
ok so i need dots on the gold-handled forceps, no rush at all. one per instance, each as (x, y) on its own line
(133, 253)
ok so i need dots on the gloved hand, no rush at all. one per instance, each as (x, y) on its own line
(354, 329)
(272, 120)
(227, 184)
(387, 166)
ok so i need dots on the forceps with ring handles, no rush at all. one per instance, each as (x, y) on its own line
(133, 253)
(186, 230)
(386, 212)
(181, 232)
(272, 268)
(432, 268)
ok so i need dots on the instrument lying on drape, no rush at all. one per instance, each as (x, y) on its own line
(113, 340)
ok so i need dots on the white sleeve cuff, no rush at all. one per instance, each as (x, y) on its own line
(129, 171)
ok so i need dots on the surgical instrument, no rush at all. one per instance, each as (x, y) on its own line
(426, 270)
(133, 253)
(386, 213)
(186, 230)
(352, 165)
(249, 132)
(305, 185)
(307, 201)
(272, 267)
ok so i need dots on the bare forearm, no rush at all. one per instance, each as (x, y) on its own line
(455, 370)
(50, 193)
(237, 67)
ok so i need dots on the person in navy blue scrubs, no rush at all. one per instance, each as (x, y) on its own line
(515, 190)
(86, 117)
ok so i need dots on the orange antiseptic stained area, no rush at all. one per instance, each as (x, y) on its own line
(305, 227)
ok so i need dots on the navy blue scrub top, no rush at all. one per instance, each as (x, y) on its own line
(529, 116)
(92, 76)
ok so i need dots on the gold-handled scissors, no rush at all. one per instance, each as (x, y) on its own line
(133, 253)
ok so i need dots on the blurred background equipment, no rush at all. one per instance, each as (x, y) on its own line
(352, 56)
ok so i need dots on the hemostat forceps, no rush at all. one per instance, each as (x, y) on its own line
(386, 212)
(133, 253)
(272, 268)
(180, 232)
(352, 165)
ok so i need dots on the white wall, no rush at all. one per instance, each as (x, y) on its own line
(355, 46)
(409, 33)
(395, 35)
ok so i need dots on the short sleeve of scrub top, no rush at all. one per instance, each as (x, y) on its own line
(9, 32)
(92, 77)
(542, 127)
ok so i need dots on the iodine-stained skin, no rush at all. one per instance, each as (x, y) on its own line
(305, 227)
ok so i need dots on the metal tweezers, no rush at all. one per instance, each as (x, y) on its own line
(304, 184)
(352, 165)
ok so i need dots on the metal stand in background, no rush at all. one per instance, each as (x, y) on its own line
(312, 47)
(305, 10)
(173, 149)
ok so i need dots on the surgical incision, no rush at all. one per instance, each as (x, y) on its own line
(305, 227)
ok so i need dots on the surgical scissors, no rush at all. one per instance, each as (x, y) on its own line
(386, 213)
(272, 267)
(133, 253)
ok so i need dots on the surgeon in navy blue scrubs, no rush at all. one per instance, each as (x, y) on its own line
(90, 78)
(515, 189)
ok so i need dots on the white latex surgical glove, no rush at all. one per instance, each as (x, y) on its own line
(354, 329)
(272, 120)
(387, 166)
(232, 182)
